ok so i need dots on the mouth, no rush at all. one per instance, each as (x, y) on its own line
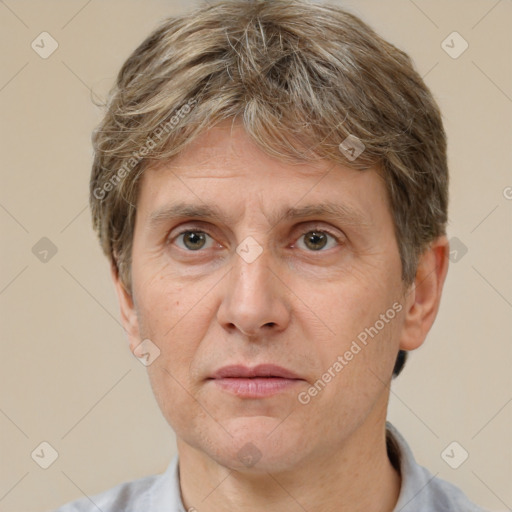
(260, 381)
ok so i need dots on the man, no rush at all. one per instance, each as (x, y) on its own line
(270, 185)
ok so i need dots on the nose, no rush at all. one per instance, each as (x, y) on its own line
(254, 298)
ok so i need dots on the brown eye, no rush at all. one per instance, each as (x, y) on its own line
(193, 240)
(316, 240)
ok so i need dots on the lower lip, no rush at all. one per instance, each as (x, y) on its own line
(255, 387)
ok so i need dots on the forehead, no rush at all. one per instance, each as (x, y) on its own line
(223, 168)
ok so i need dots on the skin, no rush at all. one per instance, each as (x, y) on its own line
(294, 306)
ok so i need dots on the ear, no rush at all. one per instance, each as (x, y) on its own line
(129, 317)
(424, 296)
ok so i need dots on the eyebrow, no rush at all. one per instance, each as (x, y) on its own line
(330, 210)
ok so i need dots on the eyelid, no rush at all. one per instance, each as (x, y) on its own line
(303, 227)
(319, 227)
(186, 229)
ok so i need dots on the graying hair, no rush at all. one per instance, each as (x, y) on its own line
(302, 77)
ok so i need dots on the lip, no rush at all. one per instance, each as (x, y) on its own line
(261, 370)
(257, 382)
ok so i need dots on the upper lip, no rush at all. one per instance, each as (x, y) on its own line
(261, 370)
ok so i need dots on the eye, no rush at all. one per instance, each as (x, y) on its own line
(193, 240)
(315, 239)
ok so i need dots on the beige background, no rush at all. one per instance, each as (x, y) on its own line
(68, 377)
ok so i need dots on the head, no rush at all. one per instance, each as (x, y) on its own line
(255, 109)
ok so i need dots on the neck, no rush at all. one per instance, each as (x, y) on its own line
(358, 477)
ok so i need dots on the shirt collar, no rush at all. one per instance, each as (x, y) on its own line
(165, 496)
(415, 478)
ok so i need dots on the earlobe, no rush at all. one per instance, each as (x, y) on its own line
(424, 296)
(129, 317)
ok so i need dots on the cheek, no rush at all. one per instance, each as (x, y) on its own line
(164, 299)
(175, 316)
(177, 331)
(354, 377)
(362, 318)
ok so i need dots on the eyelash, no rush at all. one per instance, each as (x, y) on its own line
(309, 230)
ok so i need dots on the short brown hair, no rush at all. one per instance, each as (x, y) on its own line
(302, 77)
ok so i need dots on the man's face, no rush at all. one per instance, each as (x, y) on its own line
(255, 287)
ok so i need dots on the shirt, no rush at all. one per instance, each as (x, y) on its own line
(420, 490)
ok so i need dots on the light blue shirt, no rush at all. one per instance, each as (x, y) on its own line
(420, 491)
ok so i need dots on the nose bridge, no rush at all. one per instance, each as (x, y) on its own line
(253, 300)
(251, 273)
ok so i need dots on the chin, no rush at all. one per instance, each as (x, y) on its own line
(260, 444)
